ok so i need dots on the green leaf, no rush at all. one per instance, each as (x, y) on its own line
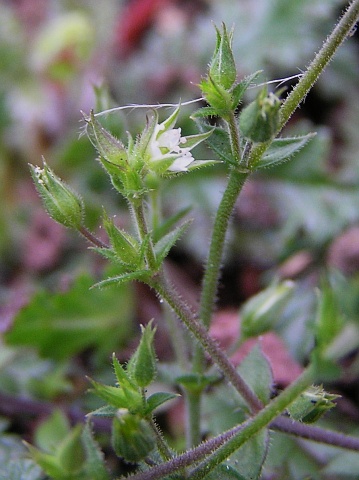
(257, 372)
(140, 275)
(94, 466)
(224, 472)
(157, 399)
(204, 112)
(70, 453)
(282, 150)
(218, 142)
(250, 458)
(125, 245)
(107, 411)
(114, 396)
(62, 324)
(50, 433)
(164, 245)
(165, 227)
(49, 463)
(329, 321)
(240, 89)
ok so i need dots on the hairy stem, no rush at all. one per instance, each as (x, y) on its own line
(92, 238)
(200, 332)
(231, 440)
(342, 30)
(138, 213)
(255, 424)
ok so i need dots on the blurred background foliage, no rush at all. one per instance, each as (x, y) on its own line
(296, 221)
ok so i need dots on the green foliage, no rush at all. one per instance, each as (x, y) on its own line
(236, 409)
(66, 453)
(62, 324)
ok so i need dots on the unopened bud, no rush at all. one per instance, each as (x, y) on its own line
(311, 404)
(142, 365)
(132, 437)
(259, 121)
(222, 69)
(61, 203)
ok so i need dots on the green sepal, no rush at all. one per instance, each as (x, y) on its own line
(94, 467)
(311, 404)
(239, 90)
(141, 367)
(129, 399)
(197, 164)
(139, 275)
(222, 68)
(60, 201)
(282, 150)
(161, 166)
(218, 98)
(108, 147)
(164, 245)
(157, 399)
(122, 375)
(139, 149)
(132, 438)
(123, 244)
(259, 121)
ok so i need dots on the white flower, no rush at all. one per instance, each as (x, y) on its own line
(166, 145)
(167, 153)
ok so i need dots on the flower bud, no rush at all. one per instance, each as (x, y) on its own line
(259, 121)
(311, 404)
(132, 437)
(261, 312)
(222, 69)
(61, 203)
(142, 365)
(109, 148)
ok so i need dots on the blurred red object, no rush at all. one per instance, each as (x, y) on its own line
(135, 19)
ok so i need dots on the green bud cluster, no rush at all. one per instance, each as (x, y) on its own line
(311, 404)
(259, 121)
(61, 203)
(132, 438)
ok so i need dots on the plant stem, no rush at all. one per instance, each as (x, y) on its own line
(255, 424)
(138, 213)
(342, 30)
(212, 271)
(200, 332)
(320, 61)
(317, 434)
(92, 238)
(162, 446)
(215, 255)
(229, 441)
